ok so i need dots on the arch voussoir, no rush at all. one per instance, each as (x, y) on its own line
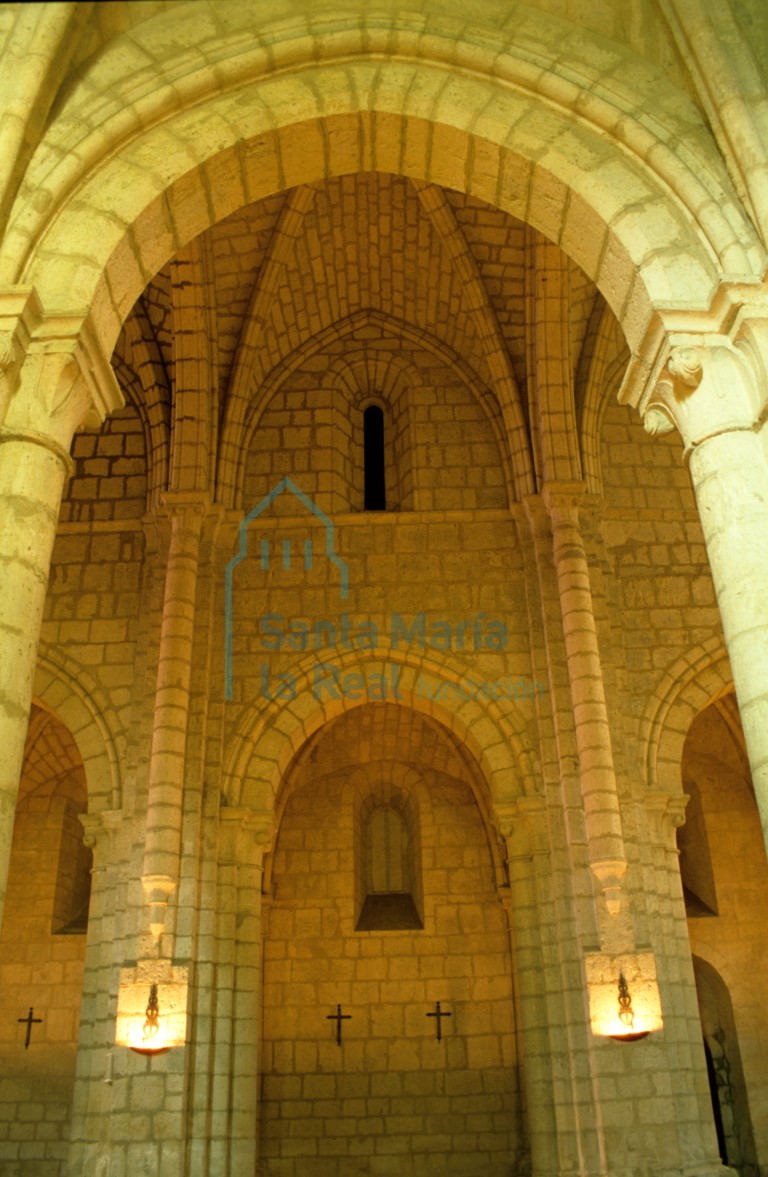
(268, 736)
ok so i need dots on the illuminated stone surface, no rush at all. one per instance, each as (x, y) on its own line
(533, 236)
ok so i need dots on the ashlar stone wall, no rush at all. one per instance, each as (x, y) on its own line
(42, 953)
(391, 1099)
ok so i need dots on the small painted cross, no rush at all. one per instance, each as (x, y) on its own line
(29, 1021)
(338, 1018)
(439, 1014)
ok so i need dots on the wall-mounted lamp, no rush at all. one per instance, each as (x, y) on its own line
(152, 1041)
(152, 1008)
(636, 1011)
(627, 1015)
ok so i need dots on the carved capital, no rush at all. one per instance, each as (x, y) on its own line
(522, 826)
(8, 351)
(706, 387)
(20, 313)
(246, 835)
(190, 507)
(686, 366)
(99, 835)
(55, 378)
(666, 814)
(563, 500)
(657, 421)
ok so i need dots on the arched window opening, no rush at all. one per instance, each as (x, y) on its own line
(374, 498)
(389, 871)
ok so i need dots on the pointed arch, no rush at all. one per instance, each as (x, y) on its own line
(69, 691)
(688, 686)
(393, 369)
(489, 332)
(246, 374)
(152, 399)
(268, 736)
(597, 383)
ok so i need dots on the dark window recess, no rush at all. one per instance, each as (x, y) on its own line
(389, 873)
(373, 459)
(394, 912)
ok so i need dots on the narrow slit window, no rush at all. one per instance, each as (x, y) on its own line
(389, 873)
(373, 459)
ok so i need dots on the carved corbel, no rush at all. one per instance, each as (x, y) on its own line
(610, 874)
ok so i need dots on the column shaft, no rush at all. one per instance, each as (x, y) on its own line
(169, 732)
(31, 481)
(730, 479)
(250, 835)
(710, 390)
(593, 736)
(535, 1062)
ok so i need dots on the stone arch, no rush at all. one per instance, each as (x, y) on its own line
(267, 738)
(312, 924)
(376, 782)
(366, 374)
(243, 420)
(474, 113)
(406, 779)
(145, 384)
(599, 385)
(67, 690)
(688, 686)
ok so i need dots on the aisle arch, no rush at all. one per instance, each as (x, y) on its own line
(268, 737)
(531, 127)
(690, 684)
(65, 689)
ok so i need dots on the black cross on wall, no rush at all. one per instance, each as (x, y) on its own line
(29, 1021)
(338, 1018)
(439, 1014)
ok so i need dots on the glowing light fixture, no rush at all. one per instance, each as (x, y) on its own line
(152, 1008)
(153, 1043)
(627, 1015)
(633, 1012)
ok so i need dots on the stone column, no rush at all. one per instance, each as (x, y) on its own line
(522, 828)
(246, 837)
(92, 1102)
(53, 378)
(162, 845)
(711, 393)
(607, 856)
(682, 1042)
